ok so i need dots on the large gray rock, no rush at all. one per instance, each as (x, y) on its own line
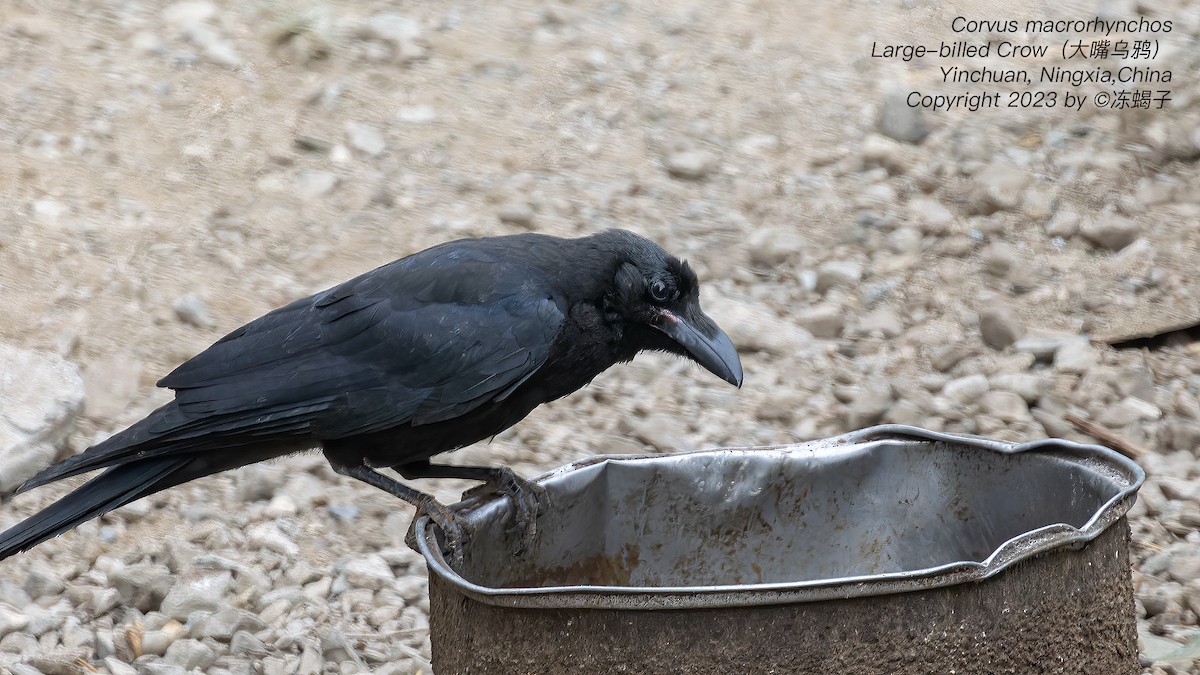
(41, 396)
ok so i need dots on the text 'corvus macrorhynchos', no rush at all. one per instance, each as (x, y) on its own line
(424, 355)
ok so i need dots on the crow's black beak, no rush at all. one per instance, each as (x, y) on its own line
(704, 340)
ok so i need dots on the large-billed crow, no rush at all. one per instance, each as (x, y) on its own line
(424, 355)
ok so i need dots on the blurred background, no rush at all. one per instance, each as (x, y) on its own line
(171, 171)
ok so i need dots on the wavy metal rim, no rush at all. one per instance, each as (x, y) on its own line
(1020, 547)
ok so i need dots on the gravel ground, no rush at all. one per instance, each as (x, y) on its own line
(173, 170)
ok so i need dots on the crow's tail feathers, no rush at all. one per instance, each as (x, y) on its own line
(115, 487)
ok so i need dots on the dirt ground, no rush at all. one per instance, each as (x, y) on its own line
(171, 171)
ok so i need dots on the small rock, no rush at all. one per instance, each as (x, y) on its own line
(245, 643)
(870, 405)
(11, 620)
(1026, 385)
(1064, 224)
(41, 397)
(311, 185)
(40, 582)
(905, 241)
(188, 654)
(757, 145)
(200, 592)
(838, 273)
(824, 321)
(519, 215)
(771, 247)
(1109, 231)
(365, 138)
(999, 327)
(143, 585)
(402, 34)
(223, 624)
(930, 216)
(1076, 356)
(946, 357)
(966, 389)
(417, 114)
(193, 311)
(371, 572)
(882, 321)
(118, 667)
(48, 212)
(1042, 348)
(878, 151)
(999, 187)
(1000, 258)
(270, 537)
(158, 641)
(1159, 598)
(691, 164)
(1005, 406)
(899, 120)
(1147, 412)
(104, 599)
(1184, 564)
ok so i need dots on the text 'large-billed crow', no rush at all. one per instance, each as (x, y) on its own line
(424, 355)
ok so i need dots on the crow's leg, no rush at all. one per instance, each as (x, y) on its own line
(528, 498)
(444, 518)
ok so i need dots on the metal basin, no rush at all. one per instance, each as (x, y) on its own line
(801, 551)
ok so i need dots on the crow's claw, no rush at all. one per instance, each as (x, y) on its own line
(454, 530)
(528, 498)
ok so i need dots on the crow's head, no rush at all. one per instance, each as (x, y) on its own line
(657, 297)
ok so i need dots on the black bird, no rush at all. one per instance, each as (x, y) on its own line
(426, 354)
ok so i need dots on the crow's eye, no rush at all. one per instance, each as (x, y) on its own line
(659, 290)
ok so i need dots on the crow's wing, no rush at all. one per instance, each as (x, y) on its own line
(421, 340)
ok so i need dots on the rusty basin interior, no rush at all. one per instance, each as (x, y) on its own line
(886, 512)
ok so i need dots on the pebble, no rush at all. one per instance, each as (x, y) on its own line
(931, 216)
(1026, 385)
(1005, 406)
(691, 164)
(1109, 231)
(190, 654)
(312, 185)
(11, 620)
(999, 327)
(1064, 224)
(823, 321)
(882, 322)
(838, 274)
(1076, 356)
(417, 114)
(1043, 349)
(899, 120)
(202, 591)
(771, 247)
(270, 537)
(999, 187)
(192, 310)
(365, 138)
(402, 34)
(41, 398)
(872, 402)
(370, 572)
(143, 585)
(517, 214)
(222, 624)
(966, 389)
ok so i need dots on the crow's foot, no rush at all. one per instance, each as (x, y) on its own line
(528, 498)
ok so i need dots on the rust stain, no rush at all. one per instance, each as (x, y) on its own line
(596, 570)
